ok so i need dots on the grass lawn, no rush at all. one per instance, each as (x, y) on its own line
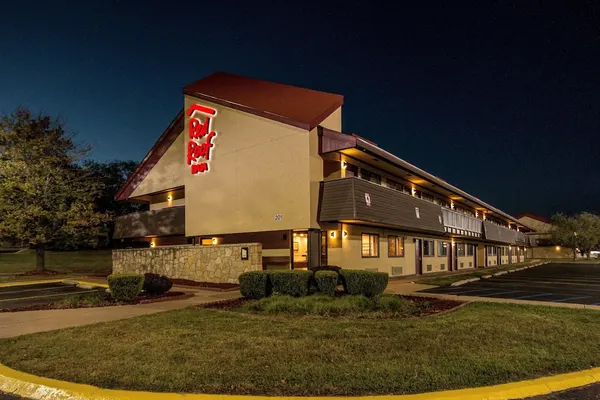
(476, 273)
(84, 261)
(212, 351)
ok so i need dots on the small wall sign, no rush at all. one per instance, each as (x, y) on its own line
(244, 253)
(417, 212)
(368, 199)
(278, 217)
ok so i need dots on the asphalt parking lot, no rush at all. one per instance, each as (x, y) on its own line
(27, 295)
(558, 283)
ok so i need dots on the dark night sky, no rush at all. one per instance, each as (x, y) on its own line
(501, 100)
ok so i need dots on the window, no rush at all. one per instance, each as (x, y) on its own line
(460, 249)
(370, 245)
(418, 193)
(428, 248)
(369, 176)
(491, 251)
(395, 185)
(428, 197)
(470, 249)
(442, 248)
(351, 170)
(395, 246)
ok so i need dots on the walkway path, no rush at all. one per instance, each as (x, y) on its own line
(25, 322)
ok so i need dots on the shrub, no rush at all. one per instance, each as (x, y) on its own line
(155, 284)
(367, 283)
(255, 284)
(293, 283)
(327, 281)
(326, 268)
(125, 287)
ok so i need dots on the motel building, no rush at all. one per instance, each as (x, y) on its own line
(250, 161)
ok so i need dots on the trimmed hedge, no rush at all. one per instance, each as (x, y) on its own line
(125, 287)
(255, 284)
(327, 281)
(367, 283)
(155, 284)
(294, 283)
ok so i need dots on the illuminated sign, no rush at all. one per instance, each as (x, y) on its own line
(201, 136)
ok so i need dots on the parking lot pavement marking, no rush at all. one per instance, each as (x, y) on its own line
(501, 293)
(531, 296)
(48, 295)
(474, 290)
(571, 298)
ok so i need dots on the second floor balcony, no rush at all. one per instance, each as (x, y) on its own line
(461, 224)
(161, 222)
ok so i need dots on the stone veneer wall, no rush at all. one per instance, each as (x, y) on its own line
(220, 263)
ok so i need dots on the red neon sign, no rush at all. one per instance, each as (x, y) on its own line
(198, 153)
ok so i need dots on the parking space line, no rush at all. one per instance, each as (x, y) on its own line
(534, 295)
(37, 290)
(498, 294)
(48, 295)
(474, 290)
(572, 298)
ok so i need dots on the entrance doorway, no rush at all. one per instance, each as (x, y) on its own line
(300, 250)
(418, 257)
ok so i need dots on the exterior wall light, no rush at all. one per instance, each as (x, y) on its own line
(332, 234)
(557, 248)
(344, 164)
(215, 240)
(413, 191)
(453, 243)
(451, 205)
(344, 234)
(476, 213)
(152, 244)
(169, 198)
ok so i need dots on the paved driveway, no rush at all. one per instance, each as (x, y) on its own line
(557, 282)
(26, 295)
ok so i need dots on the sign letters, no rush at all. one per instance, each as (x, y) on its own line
(201, 136)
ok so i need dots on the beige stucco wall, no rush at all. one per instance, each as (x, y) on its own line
(221, 263)
(166, 204)
(259, 168)
(168, 171)
(465, 260)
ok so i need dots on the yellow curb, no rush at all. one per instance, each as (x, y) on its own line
(35, 387)
(39, 282)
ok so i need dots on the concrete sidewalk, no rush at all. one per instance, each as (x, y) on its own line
(26, 322)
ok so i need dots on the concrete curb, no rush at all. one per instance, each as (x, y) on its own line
(38, 388)
(76, 282)
(464, 281)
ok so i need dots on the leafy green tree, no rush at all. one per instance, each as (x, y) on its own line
(580, 232)
(46, 198)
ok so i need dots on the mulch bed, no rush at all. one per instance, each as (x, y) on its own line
(208, 285)
(428, 305)
(107, 302)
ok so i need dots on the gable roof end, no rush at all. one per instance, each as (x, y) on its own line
(299, 107)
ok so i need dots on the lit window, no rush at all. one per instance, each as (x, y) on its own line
(442, 248)
(460, 249)
(395, 246)
(370, 245)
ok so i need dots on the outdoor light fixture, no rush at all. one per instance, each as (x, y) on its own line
(344, 234)
(557, 248)
(453, 243)
(214, 240)
(344, 164)
(152, 244)
(414, 191)
(169, 198)
(332, 234)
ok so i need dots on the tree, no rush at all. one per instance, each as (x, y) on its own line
(580, 232)
(46, 198)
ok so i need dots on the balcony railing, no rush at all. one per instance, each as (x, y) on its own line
(162, 222)
(460, 224)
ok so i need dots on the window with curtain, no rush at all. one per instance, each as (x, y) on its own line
(442, 248)
(370, 245)
(395, 246)
(428, 248)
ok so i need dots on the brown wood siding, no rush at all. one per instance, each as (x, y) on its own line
(268, 239)
(344, 199)
(498, 233)
(163, 222)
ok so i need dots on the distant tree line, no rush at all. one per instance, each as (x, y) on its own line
(580, 232)
(51, 194)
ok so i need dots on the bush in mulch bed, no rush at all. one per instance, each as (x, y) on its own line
(97, 299)
(382, 306)
(210, 285)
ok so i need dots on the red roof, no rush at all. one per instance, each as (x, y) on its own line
(534, 216)
(303, 108)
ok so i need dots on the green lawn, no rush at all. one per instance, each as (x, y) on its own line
(445, 280)
(84, 261)
(212, 351)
